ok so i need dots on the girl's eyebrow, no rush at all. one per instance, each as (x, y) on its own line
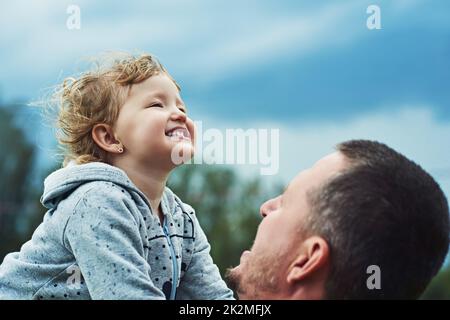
(157, 94)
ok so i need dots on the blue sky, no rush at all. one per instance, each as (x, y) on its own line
(309, 68)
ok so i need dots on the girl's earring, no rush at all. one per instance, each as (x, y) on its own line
(119, 149)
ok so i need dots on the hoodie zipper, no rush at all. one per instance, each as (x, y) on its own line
(174, 262)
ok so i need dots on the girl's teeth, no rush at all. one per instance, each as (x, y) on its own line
(179, 133)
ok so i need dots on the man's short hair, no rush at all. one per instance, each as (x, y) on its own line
(384, 210)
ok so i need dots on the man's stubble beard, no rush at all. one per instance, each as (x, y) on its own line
(258, 276)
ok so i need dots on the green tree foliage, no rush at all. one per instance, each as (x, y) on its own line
(17, 198)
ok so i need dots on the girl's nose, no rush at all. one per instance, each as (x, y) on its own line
(178, 115)
(269, 206)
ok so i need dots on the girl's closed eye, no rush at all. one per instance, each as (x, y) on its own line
(156, 105)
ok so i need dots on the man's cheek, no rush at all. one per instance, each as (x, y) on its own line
(263, 238)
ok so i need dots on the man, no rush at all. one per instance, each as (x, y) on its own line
(364, 211)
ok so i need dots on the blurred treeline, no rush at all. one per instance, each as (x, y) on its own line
(227, 205)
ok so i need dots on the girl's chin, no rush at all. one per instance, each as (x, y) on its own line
(182, 152)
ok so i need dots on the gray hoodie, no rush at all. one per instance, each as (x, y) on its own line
(100, 240)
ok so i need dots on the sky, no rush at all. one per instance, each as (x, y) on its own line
(311, 69)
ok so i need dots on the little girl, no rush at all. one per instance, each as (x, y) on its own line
(113, 230)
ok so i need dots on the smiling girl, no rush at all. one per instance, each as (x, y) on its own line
(113, 230)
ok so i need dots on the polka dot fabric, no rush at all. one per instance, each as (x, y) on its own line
(100, 240)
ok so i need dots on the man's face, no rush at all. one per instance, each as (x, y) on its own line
(262, 271)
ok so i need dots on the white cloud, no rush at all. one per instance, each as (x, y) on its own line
(413, 131)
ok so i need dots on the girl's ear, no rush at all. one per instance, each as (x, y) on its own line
(103, 136)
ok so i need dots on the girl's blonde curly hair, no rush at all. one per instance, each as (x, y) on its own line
(96, 97)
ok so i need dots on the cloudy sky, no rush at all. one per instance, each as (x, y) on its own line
(311, 69)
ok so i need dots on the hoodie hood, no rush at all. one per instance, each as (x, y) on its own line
(59, 184)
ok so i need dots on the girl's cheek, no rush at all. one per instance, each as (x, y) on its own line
(192, 130)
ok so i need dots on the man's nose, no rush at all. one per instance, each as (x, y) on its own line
(269, 206)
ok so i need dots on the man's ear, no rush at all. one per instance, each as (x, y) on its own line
(313, 256)
(103, 136)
